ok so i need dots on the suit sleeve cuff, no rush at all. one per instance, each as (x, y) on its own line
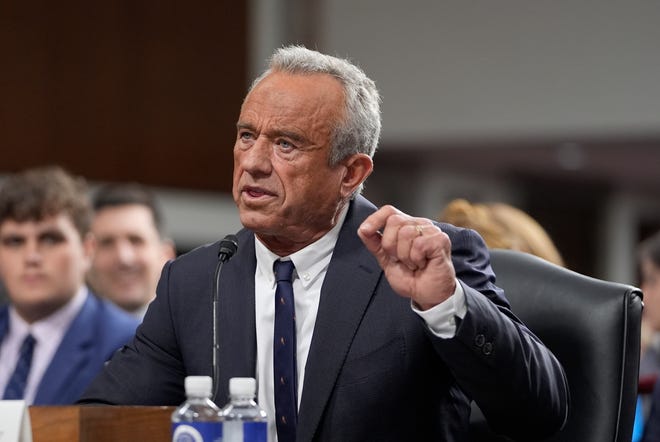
(441, 319)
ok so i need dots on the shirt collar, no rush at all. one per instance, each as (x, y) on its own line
(53, 325)
(310, 262)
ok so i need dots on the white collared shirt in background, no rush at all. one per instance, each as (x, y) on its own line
(48, 334)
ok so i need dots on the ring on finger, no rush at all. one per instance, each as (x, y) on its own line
(420, 229)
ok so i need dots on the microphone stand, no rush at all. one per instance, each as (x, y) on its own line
(228, 247)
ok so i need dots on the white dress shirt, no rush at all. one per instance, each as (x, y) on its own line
(311, 265)
(48, 334)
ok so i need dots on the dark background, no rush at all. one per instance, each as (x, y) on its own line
(123, 90)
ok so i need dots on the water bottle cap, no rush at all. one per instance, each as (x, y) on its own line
(242, 386)
(199, 385)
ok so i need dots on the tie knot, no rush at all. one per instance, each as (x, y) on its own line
(28, 342)
(283, 270)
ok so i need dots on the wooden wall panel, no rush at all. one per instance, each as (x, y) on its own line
(123, 90)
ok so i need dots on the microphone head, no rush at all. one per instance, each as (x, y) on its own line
(228, 246)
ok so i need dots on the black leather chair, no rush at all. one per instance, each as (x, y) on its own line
(593, 328)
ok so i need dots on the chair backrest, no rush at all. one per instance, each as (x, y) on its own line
(593, 327)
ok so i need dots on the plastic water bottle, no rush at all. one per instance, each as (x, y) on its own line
(198, 418)
(242, 419)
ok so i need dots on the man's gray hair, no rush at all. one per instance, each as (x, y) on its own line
(360, 130)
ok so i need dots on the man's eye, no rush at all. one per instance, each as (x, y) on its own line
(245, 135)
(12, 241)
(51, 238)
(105, 243)
(285, 144)
(136, 241)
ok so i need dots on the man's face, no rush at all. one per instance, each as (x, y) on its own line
(651, 288)
(128, 257)
(42, 264)
(283, 186)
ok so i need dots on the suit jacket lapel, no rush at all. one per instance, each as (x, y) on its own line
(237, 329)
(71, 357)
(342, 306)
(4, 326)
(4, 322)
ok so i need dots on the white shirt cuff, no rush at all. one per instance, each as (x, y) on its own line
(441, 318)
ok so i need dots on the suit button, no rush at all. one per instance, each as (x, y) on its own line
(479, 340)
(487, 348)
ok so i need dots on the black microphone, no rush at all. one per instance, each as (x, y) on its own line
(228, 247)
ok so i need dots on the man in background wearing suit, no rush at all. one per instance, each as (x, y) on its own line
(54, 335)
(397, 321)
(129, 248)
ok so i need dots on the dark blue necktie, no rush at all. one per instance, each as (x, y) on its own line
(284, 354)
(16, 385)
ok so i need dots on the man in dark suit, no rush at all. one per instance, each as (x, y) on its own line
(398, 323)
(55, 335)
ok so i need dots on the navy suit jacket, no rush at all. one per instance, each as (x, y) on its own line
(95, 334)
(374, 371)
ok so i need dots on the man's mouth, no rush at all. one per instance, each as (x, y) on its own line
(33, 278)
(256, 192)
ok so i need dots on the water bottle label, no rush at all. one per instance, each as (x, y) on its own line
(197, 432)
(237, 431)
(255, 432)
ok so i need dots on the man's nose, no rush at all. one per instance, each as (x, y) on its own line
(125, 252)
(256, 159)
(33, 253)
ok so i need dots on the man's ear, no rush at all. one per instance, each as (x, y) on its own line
(358, 167)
